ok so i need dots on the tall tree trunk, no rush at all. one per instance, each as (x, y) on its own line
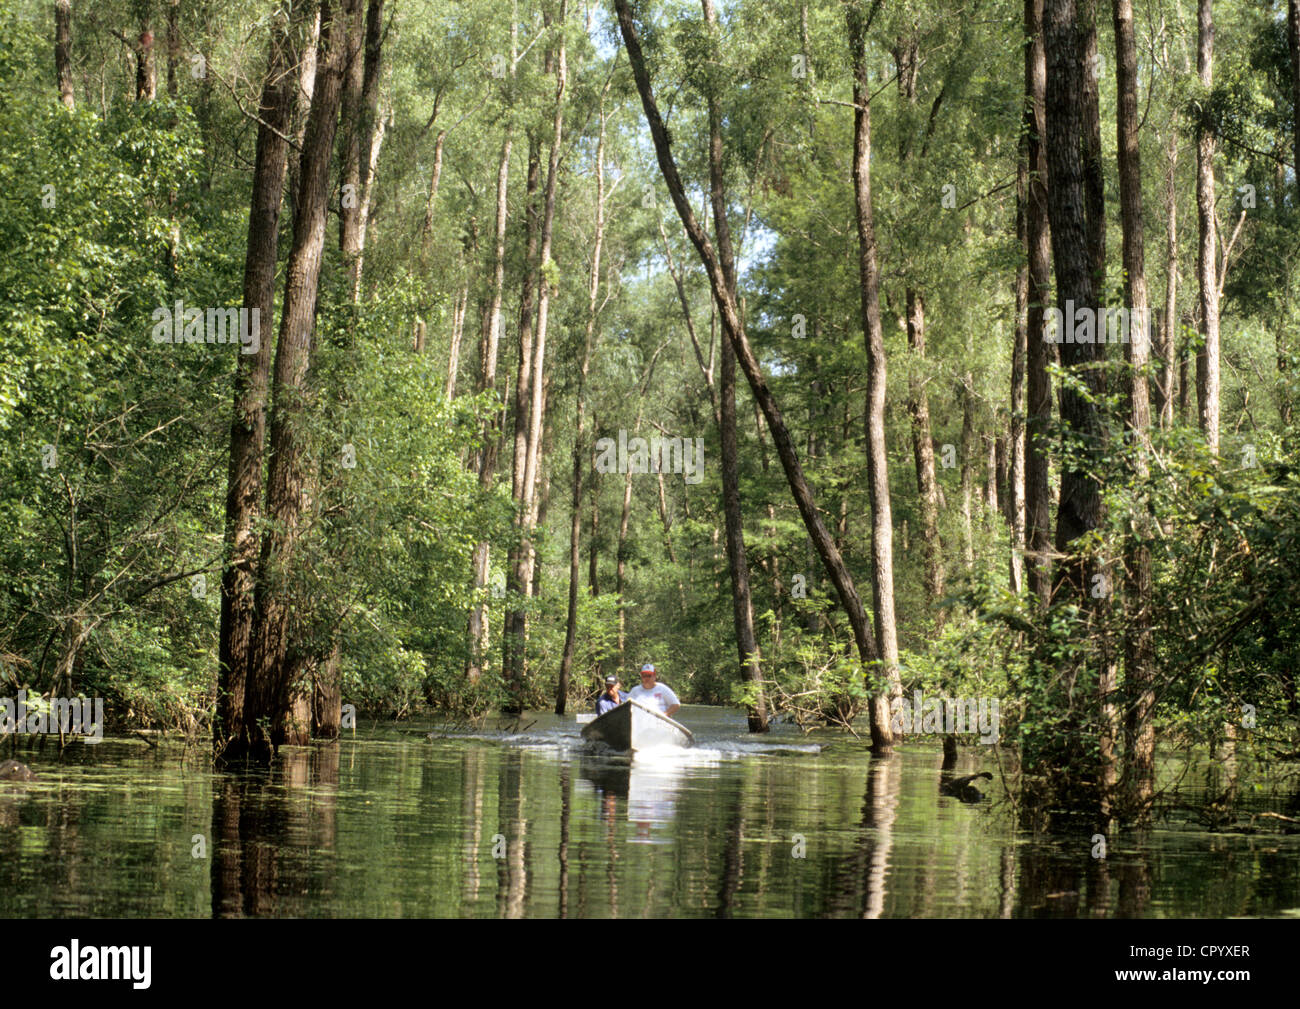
(882, 737)
(302, 104)
(580, 451)
(1138, 646)
(370, 137)
(367, 194)
(593, 556)
(1293, 44)
(1038, 405)
(458, 310)
(146, 82)
(742, 606)
(907, 58)
(511, 658)
(918, 407)
(517, 618)
(268, 697)
(1079, 508)
(1184, 382)
(349, 140)
(248, 426)
(882, 530)
(63, 51)
(990, 478)
(620, 555)
(489, 347)
(773, 565)
(968, 468)
(360, 136)
(1016, 500)
(426, 230)
(1207, 360)
(1094, 180)
(1164, 389)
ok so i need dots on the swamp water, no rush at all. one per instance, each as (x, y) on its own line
(527, 823)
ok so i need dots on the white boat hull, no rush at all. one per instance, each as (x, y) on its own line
(632, 726)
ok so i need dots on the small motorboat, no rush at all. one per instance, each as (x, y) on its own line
(632, 726)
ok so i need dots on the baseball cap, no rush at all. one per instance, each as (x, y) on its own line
(610, 680)
(649, 667)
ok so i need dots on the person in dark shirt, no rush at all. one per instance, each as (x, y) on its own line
(611, 698)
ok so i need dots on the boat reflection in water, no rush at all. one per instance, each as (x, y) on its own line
(649, 781)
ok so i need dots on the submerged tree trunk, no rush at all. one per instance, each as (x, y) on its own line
(882, 737)
(1138, 645)
(1207, 360)
(882, 530)
(268, 696)
(248, 426)
(1069, 763)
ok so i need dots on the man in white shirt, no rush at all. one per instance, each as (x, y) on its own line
(653, 694)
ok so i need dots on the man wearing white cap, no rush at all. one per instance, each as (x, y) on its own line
(654, 694)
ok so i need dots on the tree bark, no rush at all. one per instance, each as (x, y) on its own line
(63, 51)
(1094, 180)
(1207, 359)
(435, 178)
(1164, 388)
(248, 426)
(146, 83)
(1038, 406)
(370, 130)
(968, 467)
(1079, 508)
(918, 407)
(349, 140)
(268, 696)
(1016, 500)
(458, 310)
(1293, 45)
(882, 530)
(1139, 647)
